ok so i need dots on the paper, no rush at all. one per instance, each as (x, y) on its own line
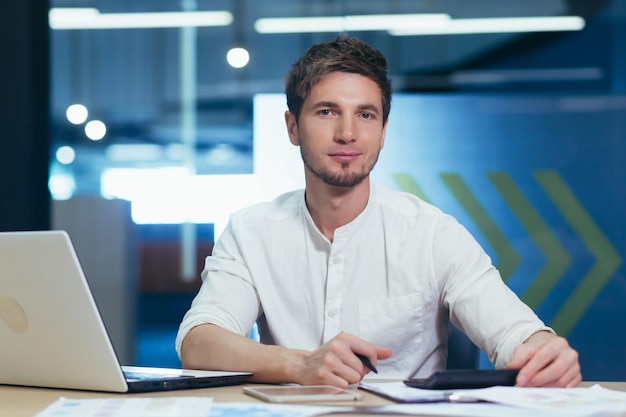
(462, 409)
(176, 407)
(397, 391)
(572, 402)
(124, 407)
(567, 401)
(270, 410)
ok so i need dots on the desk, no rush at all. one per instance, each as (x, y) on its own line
(26, 402)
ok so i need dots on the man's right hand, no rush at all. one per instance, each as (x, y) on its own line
(211, 347)
(335, 363)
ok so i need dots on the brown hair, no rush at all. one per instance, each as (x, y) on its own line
(343, 54)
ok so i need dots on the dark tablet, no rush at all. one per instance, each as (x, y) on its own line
(465, 379)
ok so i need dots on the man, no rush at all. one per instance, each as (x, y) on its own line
(346, 267)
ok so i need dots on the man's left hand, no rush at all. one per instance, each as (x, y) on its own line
(546, 360)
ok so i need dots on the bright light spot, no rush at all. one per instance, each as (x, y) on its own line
(220, 154)
(175, 151)
(172, 195)
(65, 155)
(133, 183)
(61, 18)
(495, 25)
(76, 114)
(62, 186)
(134, 152)
(95, 130)
(238, 57)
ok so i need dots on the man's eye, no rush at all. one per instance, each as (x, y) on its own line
(367, 115)
(325, 112)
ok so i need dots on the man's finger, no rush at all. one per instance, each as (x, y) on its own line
(557, 375)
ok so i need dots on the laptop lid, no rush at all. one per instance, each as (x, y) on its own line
(51, 332)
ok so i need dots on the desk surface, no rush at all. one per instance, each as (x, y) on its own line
(26, 402)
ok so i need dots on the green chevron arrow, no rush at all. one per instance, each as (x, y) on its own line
(407, 183)
(557, 259)
(508, 257)
(607, 258)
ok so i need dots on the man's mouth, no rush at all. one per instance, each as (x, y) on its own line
(344, 156)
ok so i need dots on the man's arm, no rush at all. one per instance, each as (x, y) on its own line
(546, 360)
(211, 347)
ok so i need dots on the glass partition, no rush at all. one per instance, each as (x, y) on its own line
(156, 111)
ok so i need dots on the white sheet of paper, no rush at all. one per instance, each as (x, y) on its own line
(572, 402)
(176, 407)
(257, 409)
(400, 392)
(568, 401)
(463, 409)
(124, 407)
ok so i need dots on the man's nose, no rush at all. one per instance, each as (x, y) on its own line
(345, 130)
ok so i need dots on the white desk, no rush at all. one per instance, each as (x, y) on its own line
(26, 402)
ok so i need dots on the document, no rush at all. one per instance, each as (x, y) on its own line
(272, 410)
(176, 407)
(568, 401)
(124, 407)
(571, 402)
(397, 391)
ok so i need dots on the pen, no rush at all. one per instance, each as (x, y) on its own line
(366, 361)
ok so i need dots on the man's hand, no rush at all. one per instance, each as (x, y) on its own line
(546, 360)
(335, 363)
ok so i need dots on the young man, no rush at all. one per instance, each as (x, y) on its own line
(346, 267)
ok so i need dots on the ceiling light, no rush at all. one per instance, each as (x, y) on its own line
(76, 114)
(495, 25)
(348, 23)
(90, 18)
(95, 130)
(238, 57)
(65, 155)
(62, 186)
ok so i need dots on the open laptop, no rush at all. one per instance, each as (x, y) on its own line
(52, 334)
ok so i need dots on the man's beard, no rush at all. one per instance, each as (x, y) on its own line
(343, 178)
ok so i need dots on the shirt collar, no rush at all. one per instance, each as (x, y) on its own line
(348, 230)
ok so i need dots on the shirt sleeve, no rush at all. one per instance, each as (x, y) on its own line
(227, 297)
(479, 302)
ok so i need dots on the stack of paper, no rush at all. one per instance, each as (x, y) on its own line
(574, 402)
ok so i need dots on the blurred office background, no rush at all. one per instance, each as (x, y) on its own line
(138, 125)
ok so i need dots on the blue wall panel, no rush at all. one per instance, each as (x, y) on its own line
(541, 176)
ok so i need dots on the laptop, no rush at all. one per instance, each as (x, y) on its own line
(52, 334)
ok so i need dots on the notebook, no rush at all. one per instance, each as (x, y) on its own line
(52, 334)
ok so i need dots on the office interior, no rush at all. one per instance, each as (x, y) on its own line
(139, 139)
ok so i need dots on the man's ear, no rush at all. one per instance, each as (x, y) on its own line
(292, 128)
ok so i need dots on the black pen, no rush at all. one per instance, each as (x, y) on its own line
(366, 361)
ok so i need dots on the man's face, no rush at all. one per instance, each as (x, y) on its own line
(340, 131)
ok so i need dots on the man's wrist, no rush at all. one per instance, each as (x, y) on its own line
(292, 363)
(539, 336)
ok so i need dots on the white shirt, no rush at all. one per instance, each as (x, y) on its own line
(394, 276)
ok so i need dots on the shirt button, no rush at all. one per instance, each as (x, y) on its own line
(336, 260)
(332, 313)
